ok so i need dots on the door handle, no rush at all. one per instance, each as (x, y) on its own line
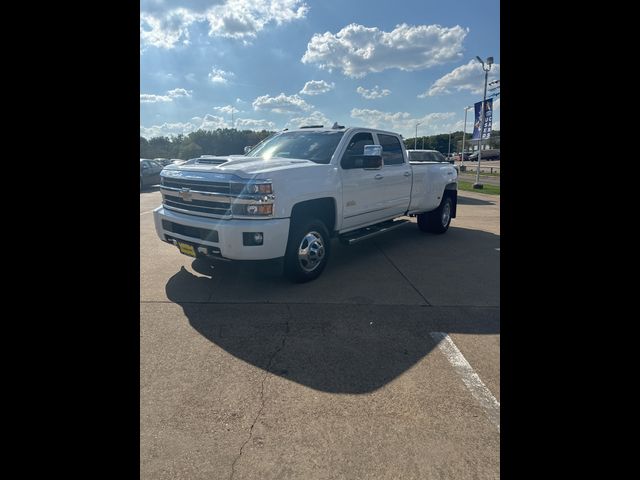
(406, 174)
(378, 177)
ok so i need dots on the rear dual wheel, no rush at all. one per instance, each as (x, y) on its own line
(438, 220)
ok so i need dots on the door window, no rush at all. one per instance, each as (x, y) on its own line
(391, 149)
(355, 149)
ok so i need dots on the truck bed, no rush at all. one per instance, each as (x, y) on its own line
(427, 184)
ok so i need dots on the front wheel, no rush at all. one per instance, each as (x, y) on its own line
(438, 220)
(307, 252)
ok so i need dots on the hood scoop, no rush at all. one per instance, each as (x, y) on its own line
(212, 161)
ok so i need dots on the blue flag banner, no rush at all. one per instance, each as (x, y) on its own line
(486, 130)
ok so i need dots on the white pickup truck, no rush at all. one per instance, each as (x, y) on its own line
(295, 191)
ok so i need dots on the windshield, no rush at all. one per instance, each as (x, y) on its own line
(315, 146)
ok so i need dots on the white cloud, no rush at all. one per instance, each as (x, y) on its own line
(160, 6)
(166, 23)
(253, 124)
(167, 129)
(315, 118)
(375, 92)
(209, 122)
(217, 75)
(469, 77)
(316, 87)
(213, 122)
(166, 31)
(358, 50)
(228, 109)
(281, 104)
(169, 97)
(404, 123)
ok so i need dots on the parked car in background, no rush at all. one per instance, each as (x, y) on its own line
(488, 154)
(426, 156)
(162, 161)
(462, 157)
(149, 173)
(429, 156)
(177, 161)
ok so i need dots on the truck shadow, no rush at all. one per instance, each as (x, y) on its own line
(344, 332)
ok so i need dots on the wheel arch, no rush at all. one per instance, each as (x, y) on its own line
(323, 209)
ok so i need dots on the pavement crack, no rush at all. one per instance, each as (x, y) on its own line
(403, 275)
(262, 399)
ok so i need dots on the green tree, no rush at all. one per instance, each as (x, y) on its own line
(189, 150)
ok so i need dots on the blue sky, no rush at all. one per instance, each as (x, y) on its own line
(277, 64)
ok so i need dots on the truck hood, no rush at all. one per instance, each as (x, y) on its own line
(245, 166)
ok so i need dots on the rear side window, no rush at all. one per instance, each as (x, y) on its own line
(391, 149)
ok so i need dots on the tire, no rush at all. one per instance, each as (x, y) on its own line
(438, 220)
(300, 267)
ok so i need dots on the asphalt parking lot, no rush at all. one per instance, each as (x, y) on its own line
(385, 367)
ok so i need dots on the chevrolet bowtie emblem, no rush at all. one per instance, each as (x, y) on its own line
(186, 194)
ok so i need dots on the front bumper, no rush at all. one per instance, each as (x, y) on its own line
(229, 244)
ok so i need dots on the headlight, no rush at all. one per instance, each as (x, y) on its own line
(260, 188)
(252, 209)
(250, 188)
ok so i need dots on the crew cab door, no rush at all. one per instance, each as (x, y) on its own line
(396, 173)
(361, 200)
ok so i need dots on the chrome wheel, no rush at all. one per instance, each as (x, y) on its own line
(311, 251)
(446, 213)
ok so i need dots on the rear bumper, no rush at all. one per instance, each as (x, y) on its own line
(224, 238)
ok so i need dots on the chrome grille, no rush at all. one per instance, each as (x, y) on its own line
(200, 206)
(202, 186)
(212, 198)
(217, 204)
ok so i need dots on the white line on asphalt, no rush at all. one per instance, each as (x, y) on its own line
(470, 378)
(148, 211)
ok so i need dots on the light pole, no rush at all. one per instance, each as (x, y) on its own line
(484, 101)
(415, 140)
(464, 132)
(449, 149)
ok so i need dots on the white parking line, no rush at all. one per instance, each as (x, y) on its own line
(470, 378)
(148, 211)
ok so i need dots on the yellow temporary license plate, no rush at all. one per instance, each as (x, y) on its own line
(186, 249)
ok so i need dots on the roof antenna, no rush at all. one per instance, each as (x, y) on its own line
(336, 126)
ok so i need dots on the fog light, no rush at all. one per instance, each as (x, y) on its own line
(252, 238)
